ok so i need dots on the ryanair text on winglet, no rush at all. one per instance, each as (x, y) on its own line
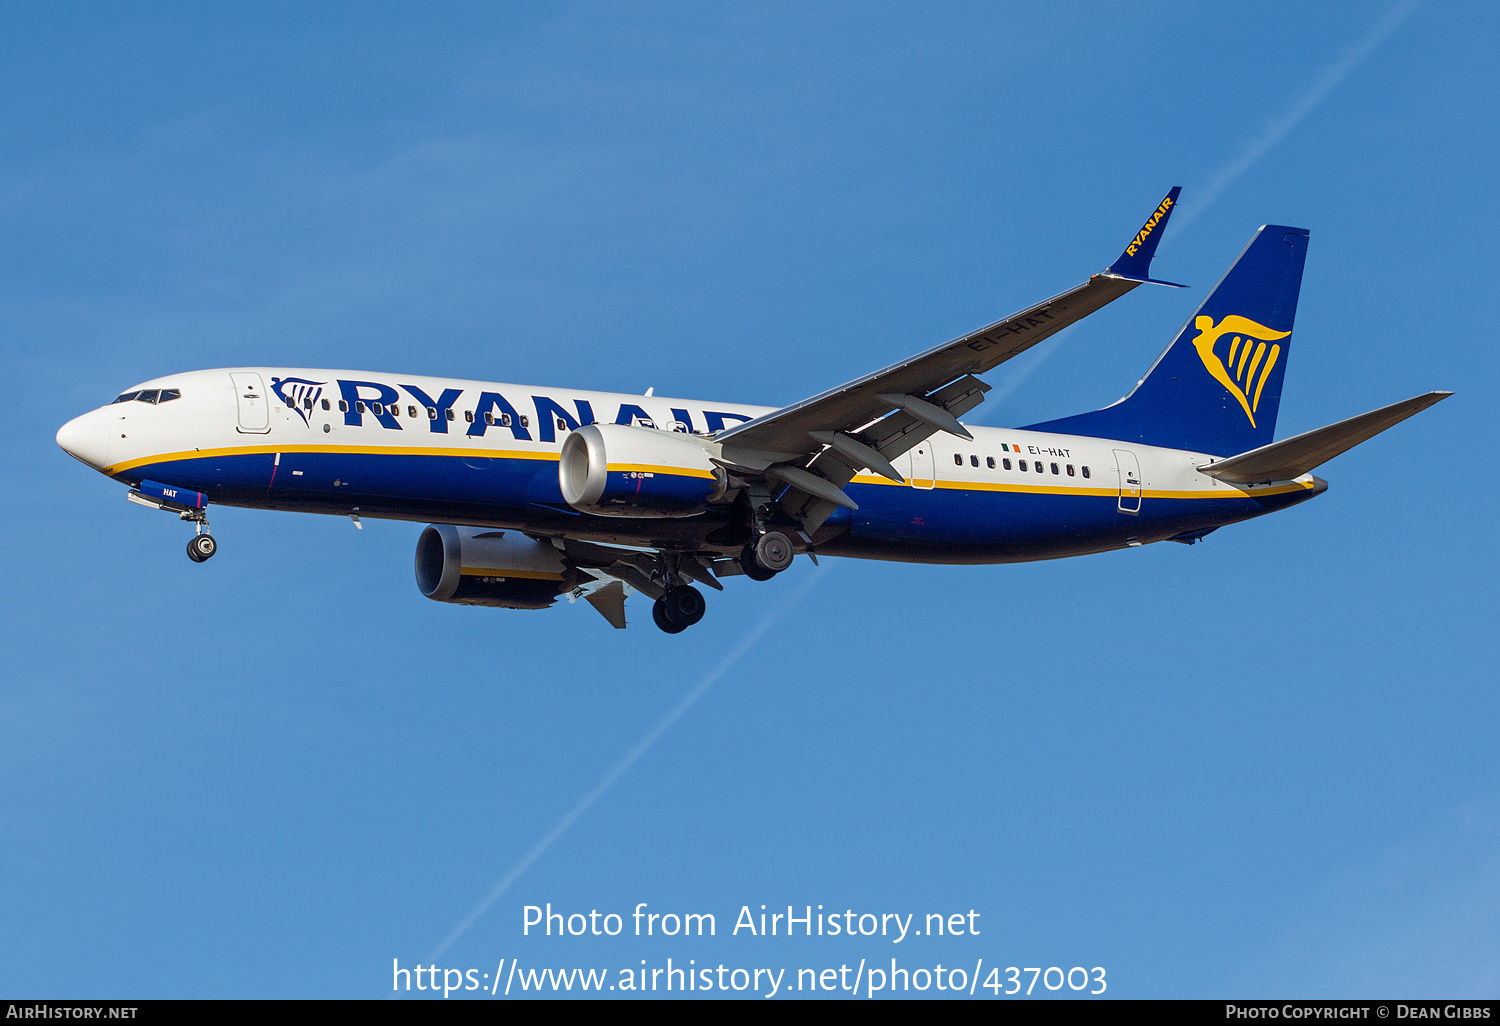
(1149, 226)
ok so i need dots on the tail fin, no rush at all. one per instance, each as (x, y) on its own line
(1217, 387)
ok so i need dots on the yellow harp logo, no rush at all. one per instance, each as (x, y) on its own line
(1247, 367)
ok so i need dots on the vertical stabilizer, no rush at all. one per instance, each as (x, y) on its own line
(1217, 388)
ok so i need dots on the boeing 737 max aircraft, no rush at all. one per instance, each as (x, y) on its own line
(535, 493)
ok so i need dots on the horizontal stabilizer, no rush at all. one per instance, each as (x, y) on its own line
(1293, 457)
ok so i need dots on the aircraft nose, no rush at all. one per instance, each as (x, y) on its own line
(86, 438)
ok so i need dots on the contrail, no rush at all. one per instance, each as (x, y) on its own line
(1231, 172)
(1278, 128)
(1227, 176)
(1016, 372)
(616, 771)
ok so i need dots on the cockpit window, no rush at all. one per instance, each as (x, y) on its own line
(150, 395)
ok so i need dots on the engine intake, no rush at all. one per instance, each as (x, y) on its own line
(474, 566)
(620, 471)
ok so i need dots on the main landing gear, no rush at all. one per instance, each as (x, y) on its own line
(681, 605)
(679, 608)
(767, 556)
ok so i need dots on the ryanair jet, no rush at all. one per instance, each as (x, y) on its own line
(534, 493)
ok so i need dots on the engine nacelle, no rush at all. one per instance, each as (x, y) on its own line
(475, 566)
(620, 471)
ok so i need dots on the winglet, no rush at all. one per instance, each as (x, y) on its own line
(1135, 262)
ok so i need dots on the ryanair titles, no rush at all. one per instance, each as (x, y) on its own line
(386, 406)
(1150, 226)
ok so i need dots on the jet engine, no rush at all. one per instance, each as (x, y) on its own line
(621, 471)
(474, 566)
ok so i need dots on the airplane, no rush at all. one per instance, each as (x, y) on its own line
(535, 493)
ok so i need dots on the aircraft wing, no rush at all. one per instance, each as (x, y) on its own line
(874, 418)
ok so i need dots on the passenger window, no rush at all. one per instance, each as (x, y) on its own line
(562, 425)
(359, 406)
(307, 403)
(126, 397)
(525, 420)
(432, 413)
(489, 418)
(990, 462)
(411, 411)
(469, 416)
(325, 404)
(973, 461)
(148, 396)
(958, 460)
(1038, 466)
(450, 413)
(505, 420)
(1085, 471)
(1021, 465)
(1070, 470)
(378, 409)
(343, 406)
(1005, 464)
(1054, 468)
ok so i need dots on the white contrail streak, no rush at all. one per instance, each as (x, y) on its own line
(1015, 372)
(1277, 128)
(1204, 198)
(618, 770)
(1274, 132)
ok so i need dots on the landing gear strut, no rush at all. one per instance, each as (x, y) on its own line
(201, 545)
(679, 608)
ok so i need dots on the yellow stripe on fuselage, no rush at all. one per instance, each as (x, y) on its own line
(341, 450)
(1047, 489)
(552, 457)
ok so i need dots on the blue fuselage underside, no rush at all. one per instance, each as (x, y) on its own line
(940, 525)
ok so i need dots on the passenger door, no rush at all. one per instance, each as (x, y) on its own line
(254, 406)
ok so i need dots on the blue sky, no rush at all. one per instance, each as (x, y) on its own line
(1260, 766)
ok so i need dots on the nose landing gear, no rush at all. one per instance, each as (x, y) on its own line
(201, 547)
(188, 505)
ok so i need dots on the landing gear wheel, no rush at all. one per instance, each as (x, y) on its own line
(679, 609)
(752, 567)
(659, 614)
(774, 551)
(201, 547)
(684, 605)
